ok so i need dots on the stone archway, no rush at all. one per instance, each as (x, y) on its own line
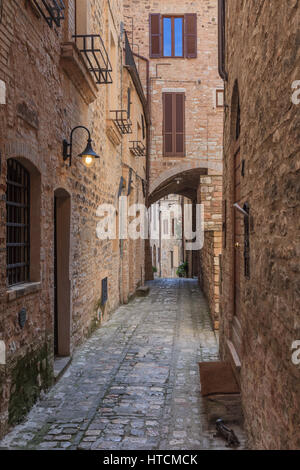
(182, 179)
(201, 183)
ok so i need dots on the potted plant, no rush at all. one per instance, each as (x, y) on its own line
(182, 270)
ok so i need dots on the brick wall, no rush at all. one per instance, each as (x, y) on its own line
(198, 78)
(209, 272)
(46, 96)
(262, 54)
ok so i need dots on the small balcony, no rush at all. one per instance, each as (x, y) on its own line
(87, 64)
(137, 148)
(95, 56)
(122, 121)
(51, 10)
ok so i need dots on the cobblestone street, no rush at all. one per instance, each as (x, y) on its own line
(134, 384)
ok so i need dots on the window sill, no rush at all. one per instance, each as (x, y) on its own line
(74, 66)
(174, 156)
(20, 290)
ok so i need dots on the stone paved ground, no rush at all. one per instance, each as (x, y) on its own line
(135, 383)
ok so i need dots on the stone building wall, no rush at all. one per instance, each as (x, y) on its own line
(49, 90)
(198, 78)
(209, 194)
(262, 62)
(209, 276)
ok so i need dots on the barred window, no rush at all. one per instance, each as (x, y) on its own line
(17, 223)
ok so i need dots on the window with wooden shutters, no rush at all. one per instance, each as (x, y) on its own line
(173, 35)
(128, 102)
(190, 35)
(155, 35)
(174, 124)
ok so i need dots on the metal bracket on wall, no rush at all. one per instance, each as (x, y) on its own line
(246, 208)
(156, 68)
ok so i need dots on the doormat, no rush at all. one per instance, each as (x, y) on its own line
(217, 378)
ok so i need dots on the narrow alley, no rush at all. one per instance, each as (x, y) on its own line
(149, 226)
(134, 384)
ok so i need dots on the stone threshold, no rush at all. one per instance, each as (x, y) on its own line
(60, 366)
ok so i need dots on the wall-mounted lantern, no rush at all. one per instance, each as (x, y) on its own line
(88, 155)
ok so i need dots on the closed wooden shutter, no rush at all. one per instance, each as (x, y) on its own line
(190, 35)
(121, 186)
(129, 182)
(172, 259)
(168, 123)
(128, 102)
(179, 135)
(174, 124)
(155, 35)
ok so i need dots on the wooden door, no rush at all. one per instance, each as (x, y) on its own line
(62, 288)
(238, 244)
(55, 283)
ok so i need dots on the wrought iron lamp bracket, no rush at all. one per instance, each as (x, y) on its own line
(68, 146)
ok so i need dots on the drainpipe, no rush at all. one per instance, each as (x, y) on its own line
(221, 40)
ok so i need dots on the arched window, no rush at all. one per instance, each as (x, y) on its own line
(17, 223)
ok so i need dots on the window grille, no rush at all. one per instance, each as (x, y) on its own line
(17, 223)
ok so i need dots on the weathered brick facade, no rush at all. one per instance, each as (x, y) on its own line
(198, 79)
(49, 90)
(262, 61)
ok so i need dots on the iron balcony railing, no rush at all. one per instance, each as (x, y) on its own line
(138, 148)
(51, 10)
(122, 121)
(94, 52)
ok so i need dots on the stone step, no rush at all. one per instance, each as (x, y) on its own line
(143, 291)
